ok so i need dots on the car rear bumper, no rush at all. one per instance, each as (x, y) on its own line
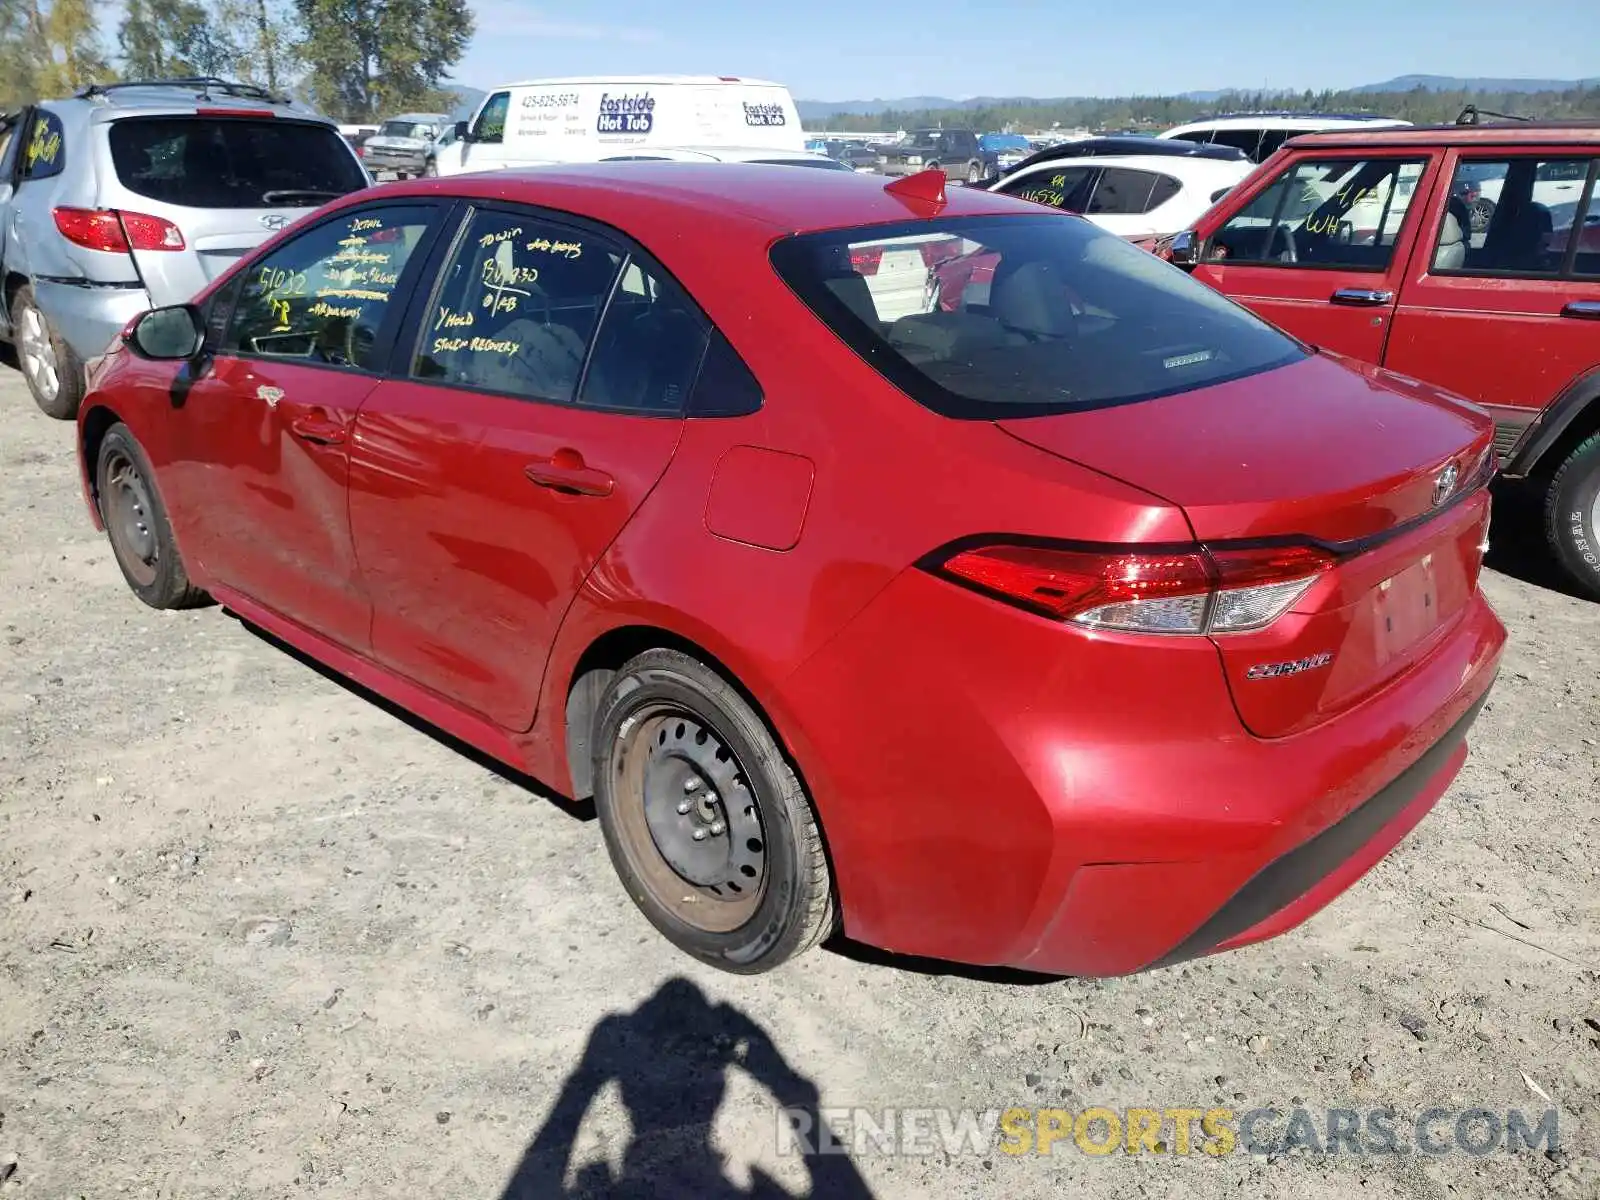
(89, 316)
(1036, 797)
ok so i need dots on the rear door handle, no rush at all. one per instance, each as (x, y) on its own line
(318, 430)
(1361, 296)
(1584, 310)
(565, 471)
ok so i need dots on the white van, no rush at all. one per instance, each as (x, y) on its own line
(657, 116)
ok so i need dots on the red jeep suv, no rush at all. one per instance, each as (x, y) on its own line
(1467, 256)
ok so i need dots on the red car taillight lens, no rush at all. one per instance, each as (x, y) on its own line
(116, 232)
(1189, 590)
(865, 260)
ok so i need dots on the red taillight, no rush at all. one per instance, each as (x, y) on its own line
(865, 260)
(115, 232)
(92, 228)
(1187, 590)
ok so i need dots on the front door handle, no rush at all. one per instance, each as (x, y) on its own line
(1584, 310)
(565, 471)
(1361, 296)
(318, 430)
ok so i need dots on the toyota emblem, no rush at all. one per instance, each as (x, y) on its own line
(274, 220)
(1445, 484)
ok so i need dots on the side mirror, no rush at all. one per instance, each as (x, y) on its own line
(461, 132)
(1184, 249)
(172, 334)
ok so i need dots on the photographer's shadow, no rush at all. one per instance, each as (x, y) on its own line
(670, 1058)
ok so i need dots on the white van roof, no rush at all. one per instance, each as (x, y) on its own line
(637, 81)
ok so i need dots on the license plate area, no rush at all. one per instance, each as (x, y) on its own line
(1406, 609)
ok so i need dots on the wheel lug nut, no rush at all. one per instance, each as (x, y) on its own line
(690, 785)
(699, 835)
(683, 809)
(717, 828)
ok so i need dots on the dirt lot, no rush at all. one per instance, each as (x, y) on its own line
(261, 937)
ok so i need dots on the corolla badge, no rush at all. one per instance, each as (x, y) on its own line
(275, 221)
(1278, 670)
(1445, 484)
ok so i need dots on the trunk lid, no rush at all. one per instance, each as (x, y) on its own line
(1388, 472)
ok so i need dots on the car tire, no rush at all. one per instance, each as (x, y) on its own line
(686, 772)
(1572, 515)
(1481, 214)
(430, 170)
(974, 172)
(52, 369)
(136, 524)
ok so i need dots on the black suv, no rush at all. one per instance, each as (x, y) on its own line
(954, 150)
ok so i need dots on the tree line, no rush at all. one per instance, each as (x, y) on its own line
(1151, 113)
(356, 60)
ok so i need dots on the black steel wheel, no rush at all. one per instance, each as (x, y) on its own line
(136, 524)
(705, 822)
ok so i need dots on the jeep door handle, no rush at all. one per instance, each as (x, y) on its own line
(1584, 310)
(1361, 296)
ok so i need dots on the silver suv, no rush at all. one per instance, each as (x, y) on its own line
(403, 145)
(136, 195)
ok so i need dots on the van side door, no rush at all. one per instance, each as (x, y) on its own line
(484, 147)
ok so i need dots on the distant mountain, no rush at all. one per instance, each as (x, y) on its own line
(816, 110)
(1453, 83)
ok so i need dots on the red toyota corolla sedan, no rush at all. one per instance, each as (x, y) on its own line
(1083, 624)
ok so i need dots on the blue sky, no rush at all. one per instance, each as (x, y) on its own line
(862, 49)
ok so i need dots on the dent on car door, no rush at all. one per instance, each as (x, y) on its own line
(541, 401)
(263, 430)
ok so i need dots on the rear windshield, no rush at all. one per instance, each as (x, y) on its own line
(826, 164)
(405, 129)
(1023, 316)
(233, 162)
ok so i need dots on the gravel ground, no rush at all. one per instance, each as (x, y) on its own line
(261, 936)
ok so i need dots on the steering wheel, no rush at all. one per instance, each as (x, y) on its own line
(1291, 252)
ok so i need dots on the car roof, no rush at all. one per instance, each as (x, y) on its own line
(1500, 134)
(1143, 162)
(1285, 120)
(185, 94)
(669, 198)
(1143, 146)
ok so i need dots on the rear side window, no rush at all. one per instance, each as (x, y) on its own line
(648, 349)
(233, 162)
(45, 153)
(516, 308)
(1125, 192)
(1518, 216)
(1021, 316)
(1065, 189)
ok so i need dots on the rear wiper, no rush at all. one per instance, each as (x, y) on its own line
(289, 195)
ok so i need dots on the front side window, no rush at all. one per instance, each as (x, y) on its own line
(1343, 213)
(405, 129)
(1065, 189)
(325, 296)
(233, 162)
(516, 308)
(1023, 315)
(1586, 253)
(490, 126)
(1513, 216)
(44, 154)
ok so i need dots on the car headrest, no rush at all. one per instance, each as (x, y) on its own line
(1034, 300)
(852, 291)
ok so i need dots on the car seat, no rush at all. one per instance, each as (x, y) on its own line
(1520, 242)
(1034, 303)
(1451, 253)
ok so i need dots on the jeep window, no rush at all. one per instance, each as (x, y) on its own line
(1342, 213)
(44, 153)
(1517, 217)
(405, 129)
(490, 127)
(1024, 315)
(233, 162)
